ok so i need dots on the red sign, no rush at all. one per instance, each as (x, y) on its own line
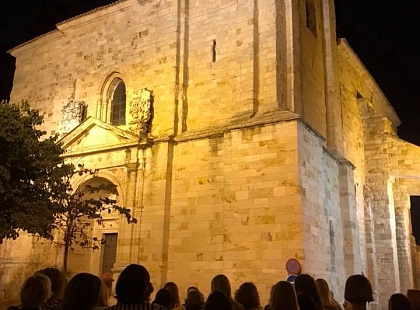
(293, 266)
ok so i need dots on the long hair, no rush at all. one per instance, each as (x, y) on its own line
(35, 291)
(306, 284)
(58, 283)
(173, 290)
(325, 294)
(133, 284)
(217, 300)
(283, 297)
(247, 296)
(221, 283)
(194, 300)
(82, 293)
(306, 302)
(163, 298)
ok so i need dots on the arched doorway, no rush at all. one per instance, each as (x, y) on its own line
(97, 257)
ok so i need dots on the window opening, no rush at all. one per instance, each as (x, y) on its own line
(118, 104)
(311, 16)
(214, 52)
(415, 217)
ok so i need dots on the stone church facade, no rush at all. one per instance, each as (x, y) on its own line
(241, 133)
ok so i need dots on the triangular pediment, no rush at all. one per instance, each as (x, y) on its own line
(93, 135)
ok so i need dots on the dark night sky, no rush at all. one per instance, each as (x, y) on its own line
(384, 33)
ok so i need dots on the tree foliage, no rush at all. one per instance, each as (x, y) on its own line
(81, 209)
(36, 193)
(31, 172)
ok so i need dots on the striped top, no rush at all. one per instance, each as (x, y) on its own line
(145, 305)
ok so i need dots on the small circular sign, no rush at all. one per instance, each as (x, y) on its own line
(293, 266)
(291, 278)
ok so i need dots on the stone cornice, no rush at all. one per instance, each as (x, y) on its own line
(103, 11)
(264, 118)
(73, 22)
(36, 42)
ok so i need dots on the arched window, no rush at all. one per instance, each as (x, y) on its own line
(118, 102)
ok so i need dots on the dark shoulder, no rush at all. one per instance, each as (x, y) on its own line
(236, 305)
(157, 307)
(13, 308)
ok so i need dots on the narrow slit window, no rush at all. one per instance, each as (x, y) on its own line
(311, 16)
(415, 217)
(213, 51)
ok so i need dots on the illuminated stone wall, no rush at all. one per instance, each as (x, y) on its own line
(136, 40)
(312, 70)
(268, 141)
(393, 177)
(385, 176)
(235, 207)
(321, 215)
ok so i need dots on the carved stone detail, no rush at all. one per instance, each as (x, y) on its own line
(71, 115)
(141, 112)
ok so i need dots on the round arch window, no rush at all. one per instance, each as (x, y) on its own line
(118, 102)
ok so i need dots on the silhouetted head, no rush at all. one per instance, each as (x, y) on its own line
(35, 291)
(414, 297)
(82, 292)
(217, 300)
(221, 283)
(306, 284)
(58, 282)
(399, 302)
(194, 300)
(133, 285)
(247, 296)
(192, 288)
(306, 302)
(358, 290)
(173, 290)
(163, 298)
(283, 297)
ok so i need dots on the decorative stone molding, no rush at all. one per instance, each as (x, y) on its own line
(71, 115)
(141, 112)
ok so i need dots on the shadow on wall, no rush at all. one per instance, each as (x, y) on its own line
(14, 269)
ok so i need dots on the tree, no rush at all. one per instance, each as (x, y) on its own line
(31, 172)
(80, 209)
(36, 193)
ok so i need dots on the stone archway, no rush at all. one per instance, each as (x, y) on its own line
(86, 259)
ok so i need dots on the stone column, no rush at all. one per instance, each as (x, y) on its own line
(403, 234)
(151, 238)
(383, 222)
(353, 262)
(371, 264)
(125, 249)
(332, 102)
(294, 100)
(270, 53)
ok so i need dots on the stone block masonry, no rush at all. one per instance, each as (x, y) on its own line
(267, 141)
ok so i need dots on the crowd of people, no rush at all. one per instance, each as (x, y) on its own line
(48, 289)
